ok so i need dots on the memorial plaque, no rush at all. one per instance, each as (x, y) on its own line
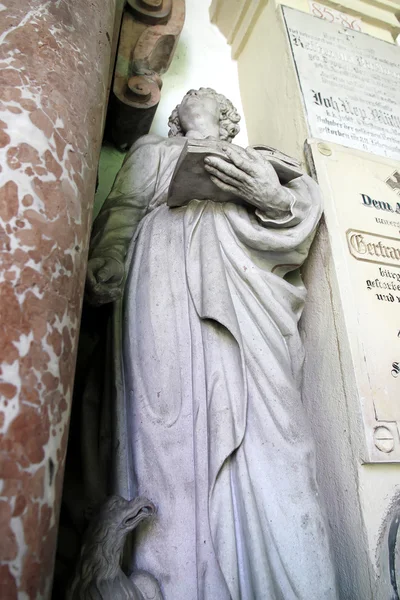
(363, 218)
(350, 82)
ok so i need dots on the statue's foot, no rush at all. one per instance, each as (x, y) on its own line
(147, 585)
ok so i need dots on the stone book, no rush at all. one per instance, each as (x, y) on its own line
(191, 181)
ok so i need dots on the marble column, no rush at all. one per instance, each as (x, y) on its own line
(54, 67)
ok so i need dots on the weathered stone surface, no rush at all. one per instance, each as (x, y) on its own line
(54, 63)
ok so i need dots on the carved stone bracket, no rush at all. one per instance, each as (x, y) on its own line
(153, 12)
(149, 33)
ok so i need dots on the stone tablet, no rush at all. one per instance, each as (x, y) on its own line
(350, 83)
(362, 211)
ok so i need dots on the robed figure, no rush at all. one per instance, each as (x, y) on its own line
(210, 421)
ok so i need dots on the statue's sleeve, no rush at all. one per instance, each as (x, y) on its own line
(305, 199)
(127, 202)
(292, 233)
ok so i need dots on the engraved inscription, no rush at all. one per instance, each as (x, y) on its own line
(374, 248)
(350, 83)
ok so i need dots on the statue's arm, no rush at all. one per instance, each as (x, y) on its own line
(116, 224)
(250, 176)
(303, 201)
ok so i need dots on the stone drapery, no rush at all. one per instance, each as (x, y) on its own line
(214, 428)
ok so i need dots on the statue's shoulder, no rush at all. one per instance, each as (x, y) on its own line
(152, 139)
(144, 152)
(148, 150)
(145, 141)
(268, 151)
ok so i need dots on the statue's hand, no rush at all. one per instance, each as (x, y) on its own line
(104, 281)
(251, 177)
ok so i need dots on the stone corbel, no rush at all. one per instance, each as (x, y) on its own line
(149, 33)
(153, 12)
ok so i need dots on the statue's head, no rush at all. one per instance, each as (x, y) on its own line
(207, 111)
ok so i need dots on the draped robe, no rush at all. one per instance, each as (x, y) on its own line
(214, 430)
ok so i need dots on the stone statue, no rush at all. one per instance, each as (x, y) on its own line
(209, 422)
(98, 574)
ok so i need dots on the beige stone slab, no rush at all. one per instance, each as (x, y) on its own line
(362, 213)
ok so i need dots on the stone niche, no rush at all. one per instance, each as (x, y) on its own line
(145, 36)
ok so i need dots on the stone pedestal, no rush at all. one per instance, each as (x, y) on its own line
(54, 61)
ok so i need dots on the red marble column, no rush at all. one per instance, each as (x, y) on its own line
(54, 65)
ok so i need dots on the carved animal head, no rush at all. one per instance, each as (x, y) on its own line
(104, 540)
(109, 527)
(123, 515)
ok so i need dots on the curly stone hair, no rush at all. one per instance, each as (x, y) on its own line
(228, 116)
